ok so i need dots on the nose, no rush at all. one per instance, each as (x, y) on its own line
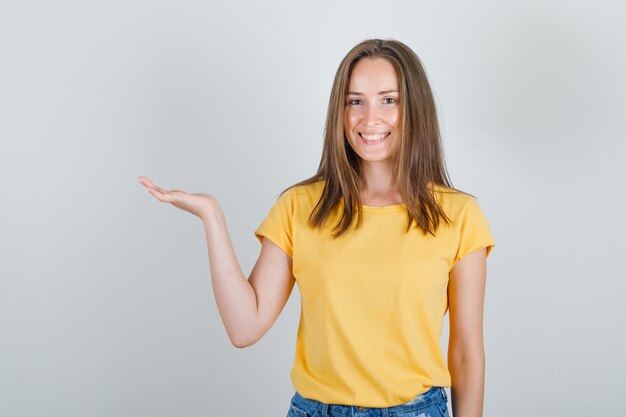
(373, 115)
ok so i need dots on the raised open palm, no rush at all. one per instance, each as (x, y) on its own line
(198, 204)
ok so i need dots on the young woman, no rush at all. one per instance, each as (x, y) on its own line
(381, 246)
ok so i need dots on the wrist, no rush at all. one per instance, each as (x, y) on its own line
(211, 213)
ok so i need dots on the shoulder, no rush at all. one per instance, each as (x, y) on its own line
(298, 198)
(452, 198)
(457, 204)
(304, 193)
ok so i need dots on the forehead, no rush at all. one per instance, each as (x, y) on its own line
(373, 74)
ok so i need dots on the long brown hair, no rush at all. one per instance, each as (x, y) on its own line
(418, 161)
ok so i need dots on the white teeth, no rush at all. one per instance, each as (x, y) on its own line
(373, 137)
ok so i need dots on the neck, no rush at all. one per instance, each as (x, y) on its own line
(378, 178)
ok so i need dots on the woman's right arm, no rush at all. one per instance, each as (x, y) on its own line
(248, 307)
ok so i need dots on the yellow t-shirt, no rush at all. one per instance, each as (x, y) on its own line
(374, 299)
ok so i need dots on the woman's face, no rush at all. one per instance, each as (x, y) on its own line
(372, 109)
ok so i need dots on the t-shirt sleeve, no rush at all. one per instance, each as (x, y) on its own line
(278, 224)
(474, 231)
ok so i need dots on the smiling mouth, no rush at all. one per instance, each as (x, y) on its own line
(374, 138)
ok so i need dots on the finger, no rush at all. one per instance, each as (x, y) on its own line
(143, 180)
(146, 182)
(149, 184)
(162, 195)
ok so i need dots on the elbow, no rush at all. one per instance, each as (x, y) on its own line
(240, 344)
(466, 353)
(469, 358)
(242, 341)
(245, 336)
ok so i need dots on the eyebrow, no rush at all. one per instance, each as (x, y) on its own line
(356, 93)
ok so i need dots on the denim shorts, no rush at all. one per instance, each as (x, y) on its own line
(432, 403)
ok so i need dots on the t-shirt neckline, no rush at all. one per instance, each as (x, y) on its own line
(392, 207)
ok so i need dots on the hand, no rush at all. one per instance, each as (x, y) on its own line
(198, 204)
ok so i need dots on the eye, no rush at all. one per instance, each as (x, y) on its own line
(393, 100)
(354, 101)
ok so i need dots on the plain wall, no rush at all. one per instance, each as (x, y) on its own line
(106, 306)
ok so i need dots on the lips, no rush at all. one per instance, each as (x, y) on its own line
(374, 138)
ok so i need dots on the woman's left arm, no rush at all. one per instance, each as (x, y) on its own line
(466, 353)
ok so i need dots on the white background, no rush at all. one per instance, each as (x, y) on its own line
(106, 307)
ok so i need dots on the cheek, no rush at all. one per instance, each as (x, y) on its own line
(393, 116)
(351, 119)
